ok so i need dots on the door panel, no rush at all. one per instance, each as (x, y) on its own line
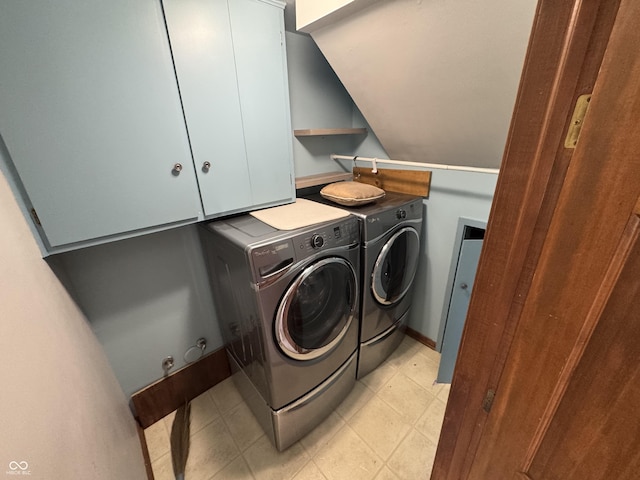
(563, 60)
(571, 283)
(595, 432)
(575, 342)
(462, 288)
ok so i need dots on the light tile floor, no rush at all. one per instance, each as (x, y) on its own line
(386, 429)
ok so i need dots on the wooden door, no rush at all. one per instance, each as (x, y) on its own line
(553, 332)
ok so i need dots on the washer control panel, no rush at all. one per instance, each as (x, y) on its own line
(324, 237)
(268, 260)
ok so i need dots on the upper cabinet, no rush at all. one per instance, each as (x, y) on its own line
(231, 66)
(92, 119)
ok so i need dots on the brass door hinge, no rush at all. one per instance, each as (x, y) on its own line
(487, 403)
(577, 119)
(34, 215)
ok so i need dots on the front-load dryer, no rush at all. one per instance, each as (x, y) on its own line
(390, 235)
(288, 306)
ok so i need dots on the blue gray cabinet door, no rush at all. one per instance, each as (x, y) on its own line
(200, 35)
(231, 66)
(91, 117)
(462, 287)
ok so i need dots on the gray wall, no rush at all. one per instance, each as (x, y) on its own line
(63, 411)
(435, 79)
(319, 100)
(146, 298)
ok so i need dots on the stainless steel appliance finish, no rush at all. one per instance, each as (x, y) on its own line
(390, 235)
(288, 306)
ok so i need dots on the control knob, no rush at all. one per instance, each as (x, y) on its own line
(317, 241)
(400, 214)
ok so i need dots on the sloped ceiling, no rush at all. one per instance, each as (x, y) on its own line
(435, 79)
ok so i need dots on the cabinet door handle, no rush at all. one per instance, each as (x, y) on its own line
(177, 168)
(206, 166)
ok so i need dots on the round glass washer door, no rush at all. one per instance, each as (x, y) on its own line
(317, 309)
(395, 267)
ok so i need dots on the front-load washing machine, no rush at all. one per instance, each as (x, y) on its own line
(288, 305)
(390, 229)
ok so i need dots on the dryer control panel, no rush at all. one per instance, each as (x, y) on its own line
(377, 224)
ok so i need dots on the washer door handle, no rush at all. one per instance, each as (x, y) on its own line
(270, 270)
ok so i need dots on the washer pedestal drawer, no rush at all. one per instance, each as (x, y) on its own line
(289, 424)
(294, 421)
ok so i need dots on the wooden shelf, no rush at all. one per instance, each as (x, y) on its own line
(318, 132)
(322, 178)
